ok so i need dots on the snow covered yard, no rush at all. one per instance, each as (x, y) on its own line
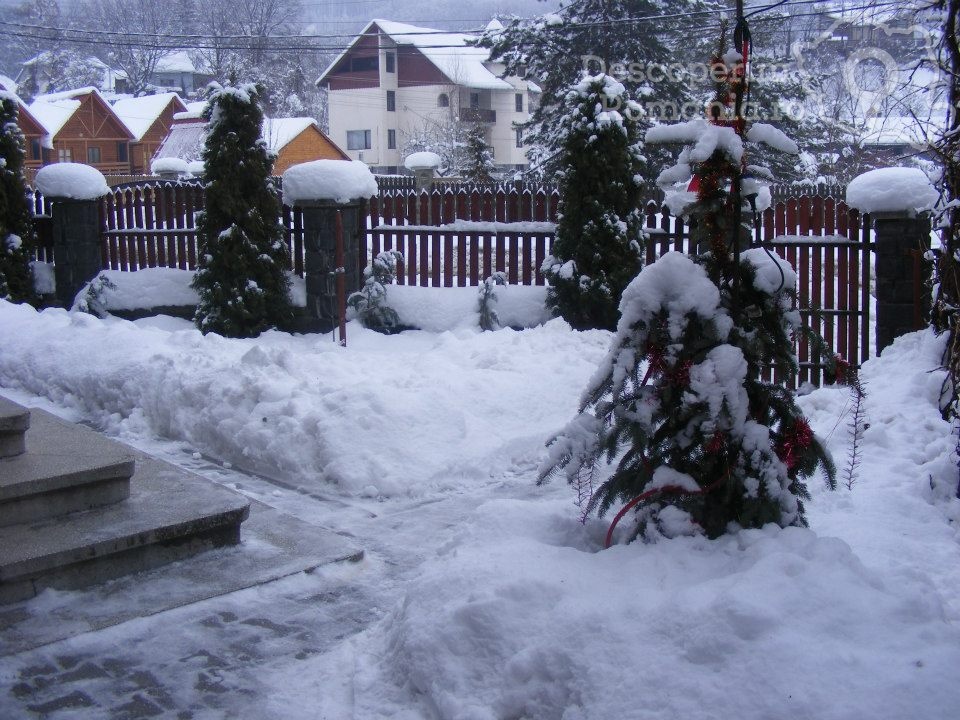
(481, 595)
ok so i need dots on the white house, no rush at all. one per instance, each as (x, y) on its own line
(395, 82)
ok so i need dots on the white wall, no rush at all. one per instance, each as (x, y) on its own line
(366, 109)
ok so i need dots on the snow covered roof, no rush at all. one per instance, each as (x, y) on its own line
(180, 62)
(8, 84)
(54, 110)
(194, 111)
(185, 140)
(53, 115)
(139, 114)
(894, 130)
(280, 132)
(447, 51)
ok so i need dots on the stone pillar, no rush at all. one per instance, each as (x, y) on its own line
(76, 245)
(320, 246)
(902, 240)
(423, 178)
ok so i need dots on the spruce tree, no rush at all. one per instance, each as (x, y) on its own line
(598, 245)
(701, 439)
(478, 163)
(241, 279)
(590, 37)
(16, 222)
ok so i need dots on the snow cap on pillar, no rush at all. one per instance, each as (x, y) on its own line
(71, 181)
(339, 181)
(900, 190)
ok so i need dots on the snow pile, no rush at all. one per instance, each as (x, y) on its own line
(424, 160)
(522, 614)
(338, 180)
(515, 610)
(773, 272)
(44, 279)
(304, 409)
(169, 165)
(157, 288)
(74, 181)
(705, 139)
(774, 137)
(897, 189)
(674, 284)
(523, 618)
(445, 309)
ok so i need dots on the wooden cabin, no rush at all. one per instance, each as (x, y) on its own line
(292, 140)
(149, 120)
(82, 127)
(298, 140)
(33, 133)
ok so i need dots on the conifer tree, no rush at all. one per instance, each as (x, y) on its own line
(16, 224)
(598, 245)
(590, 37)
(241, 279)
(478, 157)
(703, 442)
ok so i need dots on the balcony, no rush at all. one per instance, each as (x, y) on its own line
(478, 115)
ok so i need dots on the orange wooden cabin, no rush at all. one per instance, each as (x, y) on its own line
(82, 127)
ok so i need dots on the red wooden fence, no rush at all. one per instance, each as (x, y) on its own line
(459, 235)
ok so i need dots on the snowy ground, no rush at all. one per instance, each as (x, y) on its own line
(480, 595)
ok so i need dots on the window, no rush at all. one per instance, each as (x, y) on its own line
(36, 152)
(93, 155)
(391, 139)
(391, 100)
(518, 99)
(519, 137)
(64, 155)
(121, 152)
(391, 62)
(358, 139)
(474, 101)
(443, 100)
(364, 64)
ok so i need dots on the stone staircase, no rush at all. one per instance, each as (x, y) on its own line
(77, 509)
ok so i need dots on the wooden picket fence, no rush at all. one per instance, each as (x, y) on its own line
(458, 235)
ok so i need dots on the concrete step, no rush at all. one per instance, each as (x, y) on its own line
(169, 515)
(67, 468)
(14, 423)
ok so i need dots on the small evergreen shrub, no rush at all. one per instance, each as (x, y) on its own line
(369, 303)
(599, 240)
(489, 319)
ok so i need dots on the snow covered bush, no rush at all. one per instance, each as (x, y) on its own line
(91, 298)
(487, 301)
(241, 281)
(598, 246)
(16, 224)
(369, 303)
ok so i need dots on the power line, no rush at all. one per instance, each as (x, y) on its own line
(416, 32)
